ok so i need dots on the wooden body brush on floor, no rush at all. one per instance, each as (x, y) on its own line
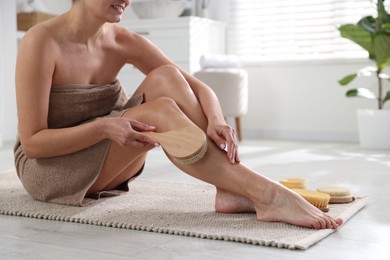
(338, 194)
(317, 199)
(298, 185)
(322, 197)
(185, 145)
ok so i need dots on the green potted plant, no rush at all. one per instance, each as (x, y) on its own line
(373, 35)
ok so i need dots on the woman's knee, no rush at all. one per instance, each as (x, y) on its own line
(165, 71)
(167, 76)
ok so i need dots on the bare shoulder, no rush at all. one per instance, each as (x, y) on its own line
(41, 37)
(126, 37)
(137, 48)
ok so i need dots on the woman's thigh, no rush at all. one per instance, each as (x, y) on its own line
(167, 81)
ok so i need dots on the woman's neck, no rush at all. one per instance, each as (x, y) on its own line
(83, 28)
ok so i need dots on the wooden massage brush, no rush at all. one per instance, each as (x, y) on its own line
(294, 183)
(316, 198)
(338, 194)
(323, 196)
(185, 145)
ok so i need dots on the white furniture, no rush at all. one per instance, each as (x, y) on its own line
(8, 49)
(183, 39)
(152, 9)
(231, 87)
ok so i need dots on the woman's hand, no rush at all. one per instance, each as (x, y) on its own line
(125, 132)
(224, 135)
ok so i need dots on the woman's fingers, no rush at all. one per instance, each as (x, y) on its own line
(232, 145)
(139, 126)
(127, 132)
(225, 135)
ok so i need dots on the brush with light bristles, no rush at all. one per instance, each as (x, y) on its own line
(185, 145)
(317, 199)
(338, 194)
(294, 183)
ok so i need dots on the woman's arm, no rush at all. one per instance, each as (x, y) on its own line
(34, 72)
(217, 129)
(149, 57)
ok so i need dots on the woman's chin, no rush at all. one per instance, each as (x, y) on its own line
(115, 19)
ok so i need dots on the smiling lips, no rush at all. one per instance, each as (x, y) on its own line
(118, 8)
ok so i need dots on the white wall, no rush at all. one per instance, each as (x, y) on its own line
(57, 7)
(47, 6)
(1, 77)
(304, 101)
(8, 122)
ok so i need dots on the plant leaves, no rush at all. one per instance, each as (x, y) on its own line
(347, 79)
(387, 97)
(386, 27)
(361, 92)
(368, 23)
(383, 16)
(359, 35)
(382, 50)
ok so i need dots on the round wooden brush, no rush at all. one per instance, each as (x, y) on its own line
(185, 145)
(338, 194)
(294, 183)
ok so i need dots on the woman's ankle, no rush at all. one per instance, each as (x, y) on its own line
(227, 202)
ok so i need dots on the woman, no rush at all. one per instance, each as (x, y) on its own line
(80, 139)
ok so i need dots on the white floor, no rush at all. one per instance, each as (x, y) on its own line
(366, 236)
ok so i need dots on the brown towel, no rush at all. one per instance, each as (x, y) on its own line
(66, 179)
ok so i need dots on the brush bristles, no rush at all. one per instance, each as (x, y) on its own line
(196, 157)
(335, 190)
(294, 183)
(318, 199)
(337, 194)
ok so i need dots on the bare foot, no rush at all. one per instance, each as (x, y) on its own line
(284, 205)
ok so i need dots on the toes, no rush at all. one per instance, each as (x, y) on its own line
(318, 223)
(323, 223)
(339, 221)
(331, 222)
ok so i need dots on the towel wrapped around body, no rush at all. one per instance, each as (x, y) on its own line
(66, 179)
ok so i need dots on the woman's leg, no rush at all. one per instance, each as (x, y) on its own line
(239, 189)
(271, 201)
(122, 163)
(167, 81)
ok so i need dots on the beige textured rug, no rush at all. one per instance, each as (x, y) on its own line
(171, 208)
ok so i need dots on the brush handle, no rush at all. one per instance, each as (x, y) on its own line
(182, 143)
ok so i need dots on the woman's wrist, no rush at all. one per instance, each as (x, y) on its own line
(103, 127)
(216, 119)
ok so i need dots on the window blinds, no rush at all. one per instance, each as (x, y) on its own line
(264, 30)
